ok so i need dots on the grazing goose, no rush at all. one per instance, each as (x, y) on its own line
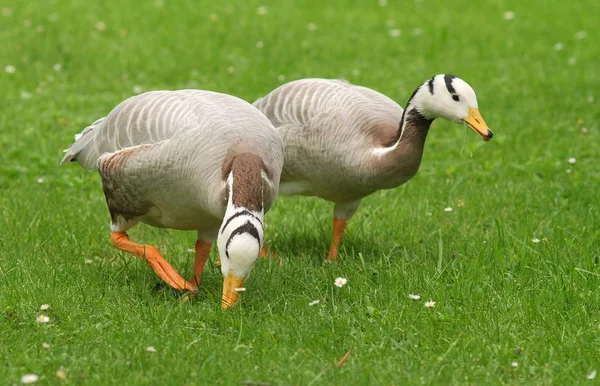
(188, 160)
(344, 142)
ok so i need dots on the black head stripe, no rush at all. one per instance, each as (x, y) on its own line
(238, 214)
(448, 79)
(430, 85)
(248, 228)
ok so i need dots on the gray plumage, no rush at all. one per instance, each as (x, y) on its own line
(162, 156)
(329, 128)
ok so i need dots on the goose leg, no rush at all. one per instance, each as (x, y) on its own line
(342, 212)
(153, 258)
(202, 252)
(266, 254)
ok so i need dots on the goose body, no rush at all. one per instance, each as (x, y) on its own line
(188, 160)
(344, 142)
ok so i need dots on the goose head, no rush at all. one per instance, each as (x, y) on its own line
(240, 240)
(449, 97)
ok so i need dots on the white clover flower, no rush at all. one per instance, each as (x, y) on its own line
(559, 46)
(260, 44)
(150, 349)
(414, 297)
(340, 282)
(57, 67)
(448, 209)
(592, 374)
(535, 240)
(580, 35)
(515, 364)
(10, 69)
(312, 27)
(572, 61)
(100, 26)
(572, 160)
(509, 15)
(45, 345)
(383, 3)
(138, 89)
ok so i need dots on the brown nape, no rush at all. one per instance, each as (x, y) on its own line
(247, 179)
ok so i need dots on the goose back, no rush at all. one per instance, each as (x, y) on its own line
(164, 154)
(329, 128)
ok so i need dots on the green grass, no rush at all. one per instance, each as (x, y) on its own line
(500, 297)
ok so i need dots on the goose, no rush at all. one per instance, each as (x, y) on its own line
(187, 160)
(344, 142)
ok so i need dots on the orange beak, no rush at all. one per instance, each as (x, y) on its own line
(478, 125)
(231, 295)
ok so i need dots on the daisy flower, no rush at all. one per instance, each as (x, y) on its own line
(414, 297)
(150, 349)
(448, 209)
(340, 282)
(60, 374)
(29, 378)
(430, 304)
(44, 307)
(535, 240)
(262, 10)
(42, 319)
(314, 302)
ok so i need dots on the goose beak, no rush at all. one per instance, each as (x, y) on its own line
(231, 287)
(476, 122)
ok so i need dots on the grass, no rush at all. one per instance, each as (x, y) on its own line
(500, 297)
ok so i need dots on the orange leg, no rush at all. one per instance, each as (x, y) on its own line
(153, 258)
(202, 252)
(266, 254)
(339, 226)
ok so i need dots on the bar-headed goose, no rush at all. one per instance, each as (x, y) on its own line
(188, 160)
(344, 142)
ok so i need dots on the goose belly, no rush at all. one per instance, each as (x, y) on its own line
(182, 218)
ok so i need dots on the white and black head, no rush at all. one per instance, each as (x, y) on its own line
(449, 97)
(240, 240)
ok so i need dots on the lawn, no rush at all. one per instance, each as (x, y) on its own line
(509, 310)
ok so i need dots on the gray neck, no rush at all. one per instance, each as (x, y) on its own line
(404, 158)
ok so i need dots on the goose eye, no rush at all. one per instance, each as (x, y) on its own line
(455, 97)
